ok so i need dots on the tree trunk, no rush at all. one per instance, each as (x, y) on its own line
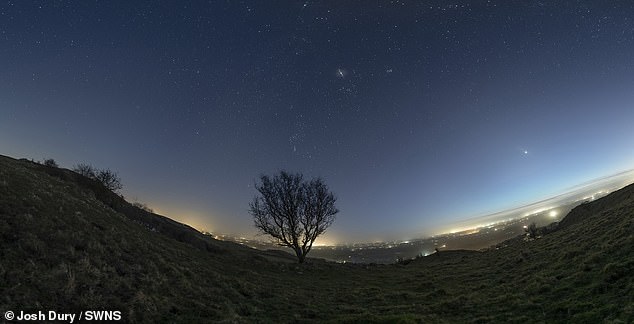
(300, 255)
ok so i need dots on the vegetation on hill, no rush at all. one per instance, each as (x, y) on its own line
(293, 211)
(67, 243)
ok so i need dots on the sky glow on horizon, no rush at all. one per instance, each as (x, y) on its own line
(417, 115)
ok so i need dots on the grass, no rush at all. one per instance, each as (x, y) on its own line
(68, 245)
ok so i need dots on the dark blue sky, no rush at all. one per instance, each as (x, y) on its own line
(417, 114)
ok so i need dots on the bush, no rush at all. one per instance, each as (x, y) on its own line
(532, 230)
(143, 206)
(50, 163)
(86, 170)
(108, 178)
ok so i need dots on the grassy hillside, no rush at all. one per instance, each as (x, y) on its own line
(68, 244)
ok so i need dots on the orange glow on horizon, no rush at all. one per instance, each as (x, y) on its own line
(196, 219)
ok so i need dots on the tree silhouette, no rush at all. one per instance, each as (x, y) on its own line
(109, 179)
(86, 170)
(50, 163)
(106, 177)
(293, 211)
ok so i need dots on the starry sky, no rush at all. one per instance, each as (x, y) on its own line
(416, 114)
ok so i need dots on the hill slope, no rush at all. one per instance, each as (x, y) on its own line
(68, 245)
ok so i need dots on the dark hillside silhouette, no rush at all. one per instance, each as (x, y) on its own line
(69, 243)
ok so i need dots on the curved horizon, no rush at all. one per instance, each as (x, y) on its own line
(417, 116)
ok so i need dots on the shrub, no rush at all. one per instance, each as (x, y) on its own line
(531, 230)
(143, 206)
(109, 179)
(50, 163)
(86, 170)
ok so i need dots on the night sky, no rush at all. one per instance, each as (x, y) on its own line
(416, 114)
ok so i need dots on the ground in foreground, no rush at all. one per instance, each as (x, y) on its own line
(68, 245)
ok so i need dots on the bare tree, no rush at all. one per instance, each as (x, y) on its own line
(50, 163)
(109, 179)
(86, 170)
(143, 206)
(293, 211)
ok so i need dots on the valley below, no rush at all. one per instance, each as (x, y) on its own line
(69, 245)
